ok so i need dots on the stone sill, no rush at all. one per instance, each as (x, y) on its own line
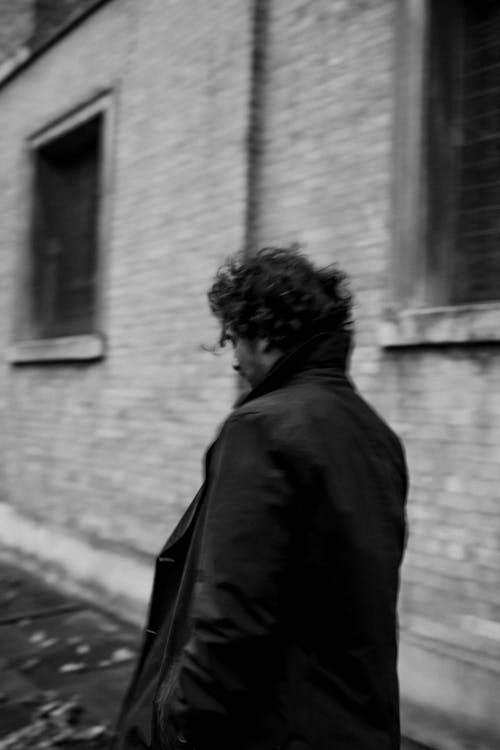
(83, 348)
(465, 324)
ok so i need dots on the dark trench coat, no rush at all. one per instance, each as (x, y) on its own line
(272, 622)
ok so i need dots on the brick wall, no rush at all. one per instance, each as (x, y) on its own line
(324, 179)
(112, 452)
(326, 151)
(16, 25)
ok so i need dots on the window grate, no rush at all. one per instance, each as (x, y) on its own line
(476, 272)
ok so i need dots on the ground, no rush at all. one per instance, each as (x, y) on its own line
(64, 666)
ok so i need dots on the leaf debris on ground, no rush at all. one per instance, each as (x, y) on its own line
(54, 723)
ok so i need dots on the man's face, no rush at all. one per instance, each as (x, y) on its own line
(251, 359)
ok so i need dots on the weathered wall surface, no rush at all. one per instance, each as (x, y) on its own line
(112, 451)
(16, 25)
(324, 175)
(324, 178)
(25, 24)
(50, 15)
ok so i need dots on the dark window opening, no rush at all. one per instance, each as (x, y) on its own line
(65, 231)
(462, 150)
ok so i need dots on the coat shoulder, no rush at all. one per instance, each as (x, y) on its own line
(282, 417)
(292, 403)
(293, 417)
(270, 408)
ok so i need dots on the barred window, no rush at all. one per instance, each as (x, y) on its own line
(447, 189)
(477, 270)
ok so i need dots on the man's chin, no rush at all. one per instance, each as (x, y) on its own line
(253, 382)
(248, 381)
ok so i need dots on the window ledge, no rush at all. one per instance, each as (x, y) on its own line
(81, 348)
(467, 324)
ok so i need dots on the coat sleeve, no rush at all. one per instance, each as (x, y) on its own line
(228, 662)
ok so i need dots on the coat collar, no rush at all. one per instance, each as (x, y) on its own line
(325, 352)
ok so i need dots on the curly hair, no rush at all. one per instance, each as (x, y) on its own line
(279, 295)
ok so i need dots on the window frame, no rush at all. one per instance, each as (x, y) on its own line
(26, 345)
(416, 315)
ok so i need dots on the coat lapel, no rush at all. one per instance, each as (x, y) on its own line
(187, 519)
(183, 524)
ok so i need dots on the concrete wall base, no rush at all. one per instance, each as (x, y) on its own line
(111, 580)
(447, 701)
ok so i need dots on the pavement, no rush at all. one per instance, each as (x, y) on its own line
(64, 667)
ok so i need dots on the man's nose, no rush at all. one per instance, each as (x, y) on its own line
(236, 365)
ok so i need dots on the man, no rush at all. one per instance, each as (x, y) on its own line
(272, 622)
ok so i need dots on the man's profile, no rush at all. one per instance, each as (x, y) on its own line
(272, 622)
